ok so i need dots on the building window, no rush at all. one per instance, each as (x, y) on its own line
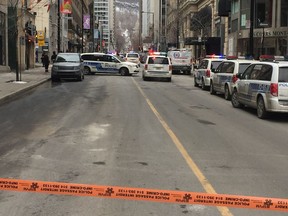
(263, 12)
(235, 6)
(234, 26)
(284, 13)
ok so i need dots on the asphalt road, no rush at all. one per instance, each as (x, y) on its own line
(122, 131)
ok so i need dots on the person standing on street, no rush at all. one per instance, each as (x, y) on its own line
(53, 57)
(46, 62)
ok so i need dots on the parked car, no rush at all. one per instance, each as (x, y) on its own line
(157, 67)
(204, 71)
(67, 66)
(225, 75)
(264, 86)
(107, 63)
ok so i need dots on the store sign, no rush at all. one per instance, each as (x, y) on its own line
(271, 33)
(40, 35)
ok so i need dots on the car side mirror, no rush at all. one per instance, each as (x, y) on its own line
(239, 75)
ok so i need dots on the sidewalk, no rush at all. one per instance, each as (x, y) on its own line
(9, 88)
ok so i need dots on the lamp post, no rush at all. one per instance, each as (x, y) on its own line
(58, 28)
(82, 13)
(149, 12)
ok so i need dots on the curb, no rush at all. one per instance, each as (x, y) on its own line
(19, 92)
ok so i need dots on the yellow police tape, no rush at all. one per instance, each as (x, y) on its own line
(152, 195)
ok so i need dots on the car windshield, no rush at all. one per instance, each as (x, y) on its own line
(158, 60)
(132, 55)
(67, 58)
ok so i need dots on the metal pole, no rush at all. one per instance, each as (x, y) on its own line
(140, 22)
(59, 29)
(82, 26)
(263, 35)
(177, 26)
(251, 39)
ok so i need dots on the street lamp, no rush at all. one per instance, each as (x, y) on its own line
(149, 12)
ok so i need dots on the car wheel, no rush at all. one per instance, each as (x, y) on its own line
(203, 85)
(87, 70)
(234, 100)
(195, 83)
(212, 91)
(169, 79)
(261, 109)
(227, 94)
(124, 72)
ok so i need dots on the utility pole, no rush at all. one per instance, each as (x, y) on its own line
(59, 29)
(177, 25)
(140, 22)
(82, 12)
(251, 38)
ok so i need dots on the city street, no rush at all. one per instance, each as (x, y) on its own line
(123, 131)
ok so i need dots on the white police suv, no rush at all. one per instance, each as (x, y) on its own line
(204, 71)
(108, 63)
(225, 75)
(264, 86)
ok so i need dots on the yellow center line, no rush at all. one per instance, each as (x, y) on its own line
(195, 169)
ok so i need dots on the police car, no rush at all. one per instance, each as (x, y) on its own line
(204, 71)
(157, 66)
(225, 75)
(264, 86)
(107, 63)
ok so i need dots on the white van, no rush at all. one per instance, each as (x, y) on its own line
(181, 61)
(107, 63)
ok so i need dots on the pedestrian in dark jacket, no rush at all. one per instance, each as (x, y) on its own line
(42, 60)
(53, 57)
(46, 62)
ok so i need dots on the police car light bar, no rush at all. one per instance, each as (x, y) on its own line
(231, 57)
(267, 58)
(215, 56)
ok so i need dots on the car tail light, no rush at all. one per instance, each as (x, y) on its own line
(234, 78)
(274, 89)
(208, 73)
(146, 67)
(170, 67)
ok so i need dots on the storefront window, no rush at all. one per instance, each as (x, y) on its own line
(284, 13)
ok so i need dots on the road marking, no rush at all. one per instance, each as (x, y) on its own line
(195, 169)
